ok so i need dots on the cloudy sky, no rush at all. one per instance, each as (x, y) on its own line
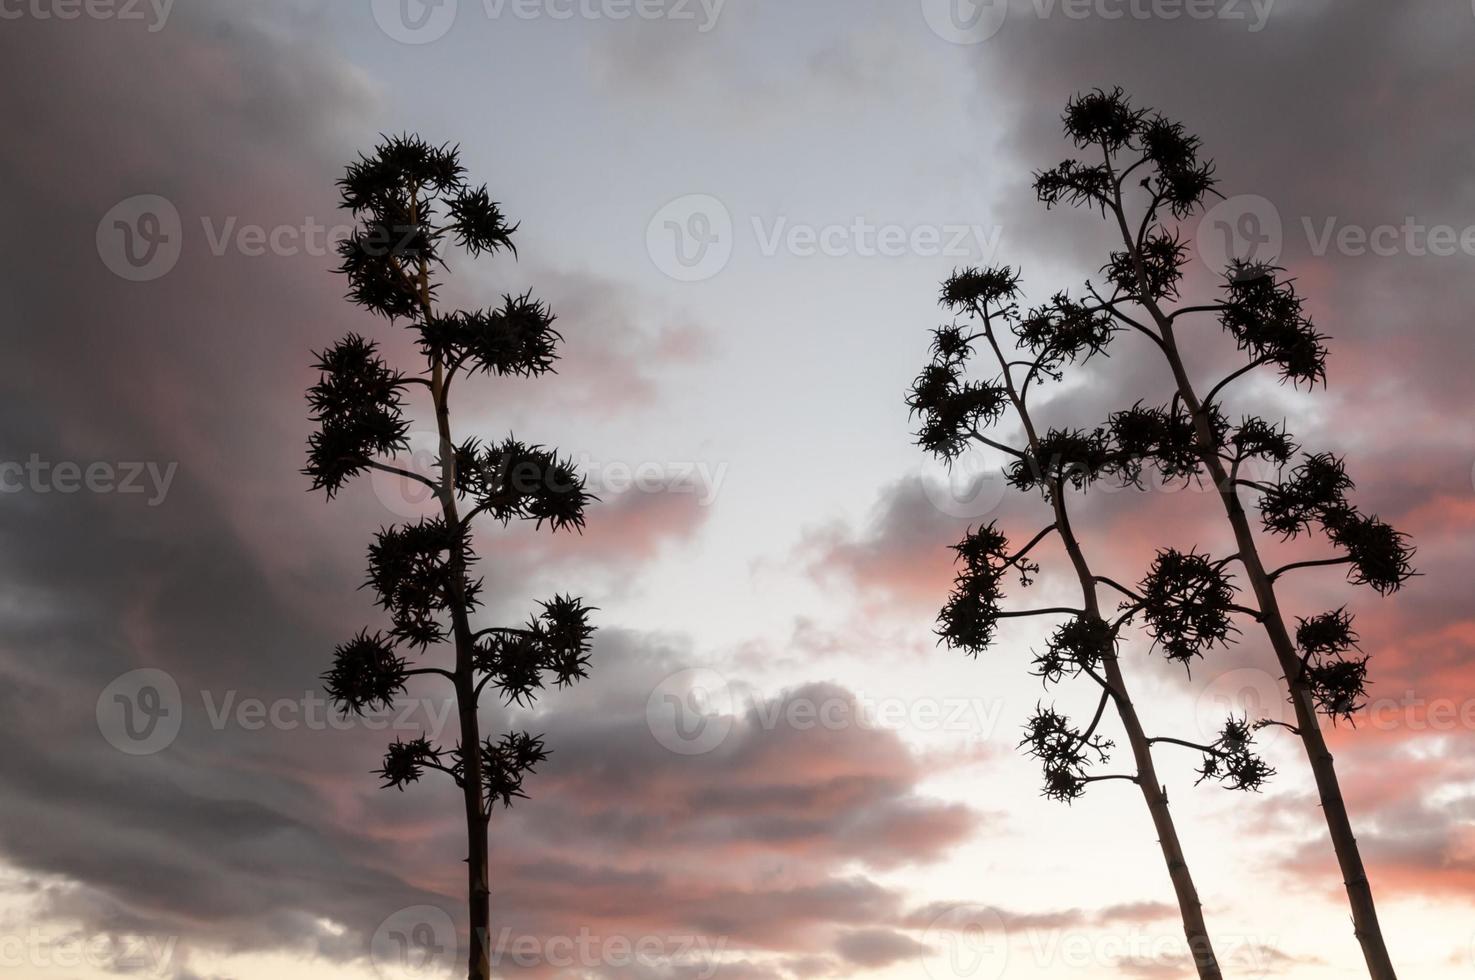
(740, 211)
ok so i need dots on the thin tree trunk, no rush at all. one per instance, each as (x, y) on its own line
(478, 900)
(1344, 842)
(478, 894)
(1195, 929)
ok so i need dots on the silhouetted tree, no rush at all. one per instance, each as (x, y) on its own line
(956, 410)
(411, 202)
(1146, 176)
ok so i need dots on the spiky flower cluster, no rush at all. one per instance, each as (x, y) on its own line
(554, 643)
(1380, 556)
(366, 674)
(1065, 753)
(504, 764)
(1267, 318)
(1256, 438)
(398, 195)
(1065, 330)
(1107, 120)
(1187, 602)
(1337, 681)
(1232, 759)
(1315, 490)
(411, 572)
(1162, 257)
(517, 339)
(1077, 646)
(971, 616)
(952, 409)
(405, 762)
(516, 481)
(973, 289)
(357, 404)
(1163, 437)
(1062, 457)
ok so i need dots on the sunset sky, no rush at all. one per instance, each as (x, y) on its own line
(741, 212)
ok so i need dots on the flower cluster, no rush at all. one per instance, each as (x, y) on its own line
(1065, 752)
(357, 404)
(971, 616)
(516, 481)
(555, 642)
(1267, 319)
(1178, 180)
(517, 339)
(1187, 602)
(1077, 646)
(1232, 758)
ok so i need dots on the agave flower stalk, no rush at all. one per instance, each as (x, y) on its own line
(955, 411)
(1262, 311)
(412, 202)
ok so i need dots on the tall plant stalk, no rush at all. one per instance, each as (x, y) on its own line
(1262, 311)
(412, 201)
(954, 411)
